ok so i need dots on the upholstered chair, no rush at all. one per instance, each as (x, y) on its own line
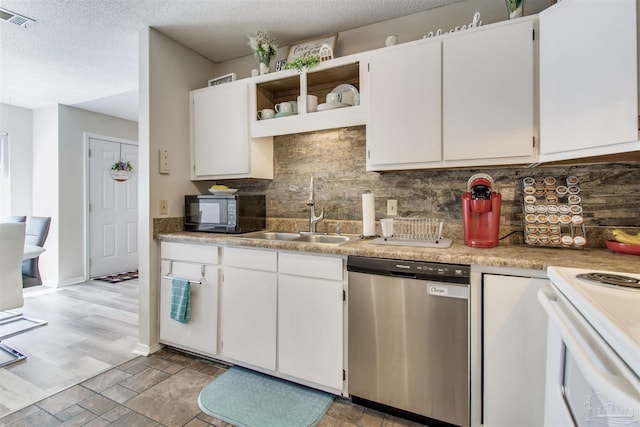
(37, 230)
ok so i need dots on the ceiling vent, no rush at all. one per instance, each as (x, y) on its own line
(14, 18)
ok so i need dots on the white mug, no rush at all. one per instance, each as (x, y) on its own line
(284, 107)
(266, 113)
(334, 98)
(312, 103)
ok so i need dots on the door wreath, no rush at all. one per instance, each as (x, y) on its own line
(121, 171)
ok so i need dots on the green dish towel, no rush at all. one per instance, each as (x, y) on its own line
(180, 300)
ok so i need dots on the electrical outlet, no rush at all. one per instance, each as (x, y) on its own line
(392, 207)
(164, 207)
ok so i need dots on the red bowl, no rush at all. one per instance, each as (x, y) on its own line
(623, 248)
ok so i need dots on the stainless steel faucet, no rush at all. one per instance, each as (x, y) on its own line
(313, 219)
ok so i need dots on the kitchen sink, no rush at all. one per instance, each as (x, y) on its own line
(325, 239)
(272, 235)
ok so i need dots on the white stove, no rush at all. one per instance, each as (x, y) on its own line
(593, 348)
(612, 310)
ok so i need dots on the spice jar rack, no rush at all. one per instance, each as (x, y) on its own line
(553, 214)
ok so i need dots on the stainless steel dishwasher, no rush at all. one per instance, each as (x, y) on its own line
(408, 339)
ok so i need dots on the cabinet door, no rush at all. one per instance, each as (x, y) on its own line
(515, 344)
(310, 339)
(220, 130)
(488, 93)
(588, 78)
(248, 317)
(404, 126)
(200, 335)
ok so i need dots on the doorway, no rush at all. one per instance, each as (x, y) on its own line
(113, 207)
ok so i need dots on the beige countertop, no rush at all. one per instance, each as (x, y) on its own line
(508, 256)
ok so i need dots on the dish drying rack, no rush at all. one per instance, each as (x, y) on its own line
(424, 232)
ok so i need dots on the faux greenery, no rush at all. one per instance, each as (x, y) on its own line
(263, 46)
(308, 61)
(122, 166)
(513, 4)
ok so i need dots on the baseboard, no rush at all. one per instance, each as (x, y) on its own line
(69, 282)
(145, 350)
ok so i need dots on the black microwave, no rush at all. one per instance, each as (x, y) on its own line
(224, 213)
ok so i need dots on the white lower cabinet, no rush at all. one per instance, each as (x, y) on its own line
(283, 312)
(248, 307)
(514, 348)
(197, 263)
(310, 318)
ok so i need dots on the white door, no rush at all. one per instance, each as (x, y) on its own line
(113, 205)
(219, 125)
(588, 79)
(248, 316)
(487, 92)
(404, 128)
(515, 342)
(310, 329)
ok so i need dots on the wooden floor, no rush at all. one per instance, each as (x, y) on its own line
(81, 371)
(91, 327)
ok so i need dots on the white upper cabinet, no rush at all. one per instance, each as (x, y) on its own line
(462, 99)
(404, 125)
(488, 94)
(588, 79)
(220, 143)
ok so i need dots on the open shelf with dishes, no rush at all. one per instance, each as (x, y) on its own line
(306, 93)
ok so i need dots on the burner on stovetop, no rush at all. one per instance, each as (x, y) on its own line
(611, 279)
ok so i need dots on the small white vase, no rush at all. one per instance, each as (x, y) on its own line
(264, 68)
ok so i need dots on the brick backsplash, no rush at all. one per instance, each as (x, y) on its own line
(336, 159)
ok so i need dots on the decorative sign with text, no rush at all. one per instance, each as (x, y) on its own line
(475, 22)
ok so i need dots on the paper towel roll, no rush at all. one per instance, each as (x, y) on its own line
(368, 215)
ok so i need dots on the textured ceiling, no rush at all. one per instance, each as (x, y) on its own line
(85, 52)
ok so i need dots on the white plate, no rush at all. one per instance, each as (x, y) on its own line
(348, 92)
(221, 192)
(332, 105)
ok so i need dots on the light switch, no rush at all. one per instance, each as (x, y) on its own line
(165, 166)
(392, 207)
(164, 207)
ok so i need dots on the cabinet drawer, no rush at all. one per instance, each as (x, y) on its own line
(331, 268)
(204, 254)
(251, 258)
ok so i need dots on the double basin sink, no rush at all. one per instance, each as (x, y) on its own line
(325, 239)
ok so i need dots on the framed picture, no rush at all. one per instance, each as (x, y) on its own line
(222, 79)
(280, 64)
(311, 46)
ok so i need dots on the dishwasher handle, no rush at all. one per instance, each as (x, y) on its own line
(403, 274)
